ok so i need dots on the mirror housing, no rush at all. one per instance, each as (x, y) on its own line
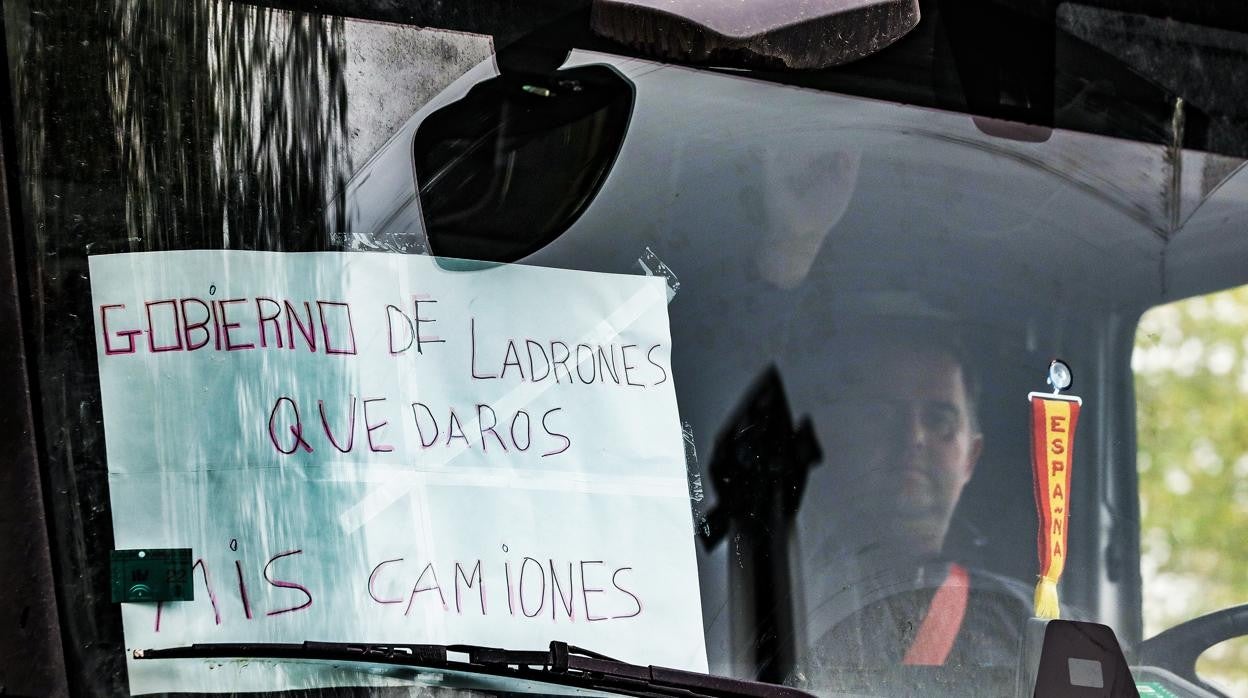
(508, 168)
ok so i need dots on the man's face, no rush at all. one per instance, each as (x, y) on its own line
(902, 446)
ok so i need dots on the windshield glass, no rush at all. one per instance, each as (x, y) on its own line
(473, 328)
(1190, 384)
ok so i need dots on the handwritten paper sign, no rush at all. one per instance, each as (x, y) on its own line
(374, 448)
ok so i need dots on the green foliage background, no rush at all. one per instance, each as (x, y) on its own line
(1191, 381)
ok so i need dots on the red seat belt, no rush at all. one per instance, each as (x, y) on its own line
(942, 621)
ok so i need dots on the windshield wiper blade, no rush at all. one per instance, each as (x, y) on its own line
(562, 664)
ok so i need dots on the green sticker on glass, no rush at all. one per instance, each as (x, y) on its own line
(1152, 689)
(152, 574)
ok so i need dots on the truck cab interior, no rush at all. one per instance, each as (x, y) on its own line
(1037, 181)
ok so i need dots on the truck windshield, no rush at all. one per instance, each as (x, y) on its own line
(833, 369)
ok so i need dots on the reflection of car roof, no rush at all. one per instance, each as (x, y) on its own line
(1107, 199)
(1064, 240)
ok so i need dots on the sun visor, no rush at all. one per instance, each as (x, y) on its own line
(794, 34)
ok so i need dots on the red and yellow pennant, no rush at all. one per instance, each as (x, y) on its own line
(1053, 419)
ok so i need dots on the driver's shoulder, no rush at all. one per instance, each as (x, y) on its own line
(994, 601)
(993, 618)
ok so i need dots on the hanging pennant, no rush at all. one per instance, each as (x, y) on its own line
(1053, 419)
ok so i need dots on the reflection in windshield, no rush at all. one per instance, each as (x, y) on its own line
(235, 141)
(758, 472)
(895, 416)
(868, 291)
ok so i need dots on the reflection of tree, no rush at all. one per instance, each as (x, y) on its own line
(149, 125)
(1192, 390)
(231, 124)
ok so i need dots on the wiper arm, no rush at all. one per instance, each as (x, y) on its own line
(562, 664)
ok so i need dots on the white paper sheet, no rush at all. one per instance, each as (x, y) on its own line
(513, 475)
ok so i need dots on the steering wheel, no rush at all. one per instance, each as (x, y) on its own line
(1178, 648)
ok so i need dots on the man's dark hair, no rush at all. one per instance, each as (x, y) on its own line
(935, 335)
